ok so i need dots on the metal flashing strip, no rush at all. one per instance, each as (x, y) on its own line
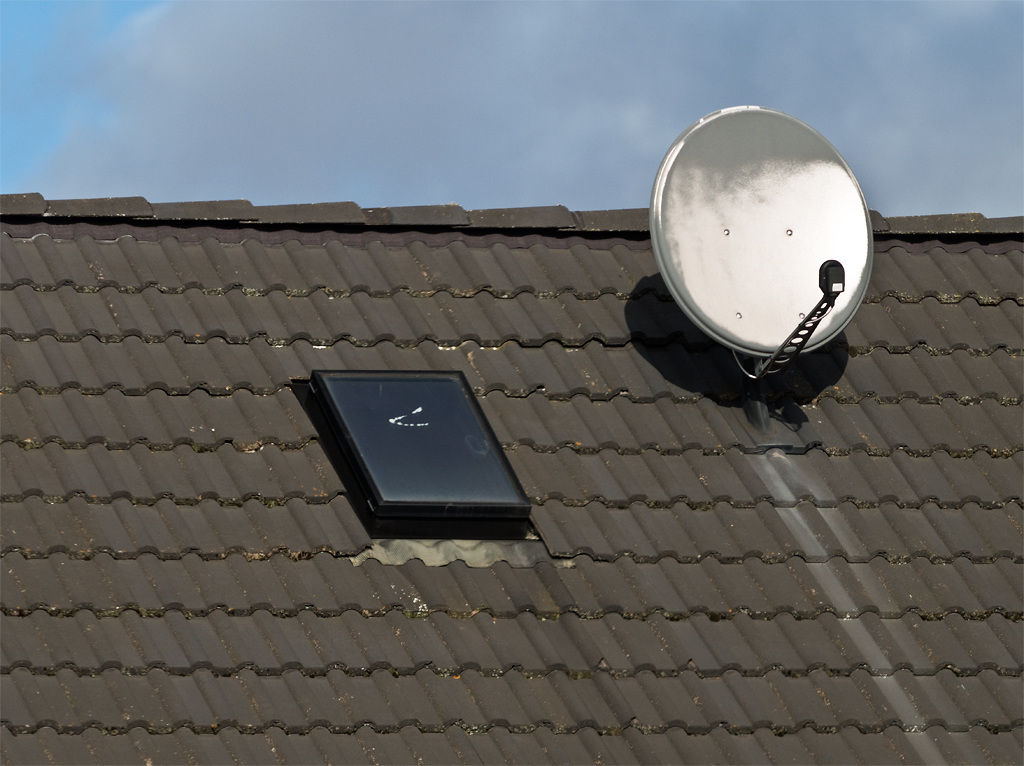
(519, 554)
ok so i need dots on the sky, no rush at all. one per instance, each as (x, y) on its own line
(498, 104)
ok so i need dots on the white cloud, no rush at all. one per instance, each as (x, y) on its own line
(523, 104)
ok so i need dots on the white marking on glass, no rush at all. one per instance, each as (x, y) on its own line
(397, 420)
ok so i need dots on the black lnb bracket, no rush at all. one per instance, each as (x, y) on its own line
(832, 281)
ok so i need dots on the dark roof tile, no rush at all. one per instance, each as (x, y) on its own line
(428, 701)
(219, 366)
(498, 745)
(615, 220)
(111, 207)
(553, 217)
(213, 529)
(417, 215)
(315, 213)
(964, 223)
(220, 210)
(271, 474)
(946, 275)
(590, 588)
(162, 421)
(22, 204)
(775, 533)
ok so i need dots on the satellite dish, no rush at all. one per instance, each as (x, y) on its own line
(759, 227)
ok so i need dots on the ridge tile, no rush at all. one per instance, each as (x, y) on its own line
(220, 210)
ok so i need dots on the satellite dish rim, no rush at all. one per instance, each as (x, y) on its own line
(662, 248)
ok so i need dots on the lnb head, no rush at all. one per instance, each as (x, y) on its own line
(832, 278)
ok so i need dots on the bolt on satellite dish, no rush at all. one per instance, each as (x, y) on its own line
(762, 234)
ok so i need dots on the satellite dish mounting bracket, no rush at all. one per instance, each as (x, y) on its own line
(832, 280)
(786, 430)
(791, 433)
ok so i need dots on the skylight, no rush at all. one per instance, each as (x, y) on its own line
(417, 455)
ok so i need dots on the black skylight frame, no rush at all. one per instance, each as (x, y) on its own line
(416, 454)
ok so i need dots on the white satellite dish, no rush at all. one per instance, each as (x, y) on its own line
(751, 214)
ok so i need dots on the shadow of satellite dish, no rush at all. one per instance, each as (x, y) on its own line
(689, 360)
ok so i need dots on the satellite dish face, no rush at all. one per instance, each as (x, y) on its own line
(747, 205)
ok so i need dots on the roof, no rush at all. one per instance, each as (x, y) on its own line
(184, 579)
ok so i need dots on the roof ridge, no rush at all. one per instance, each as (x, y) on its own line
(34, 205)
(320, 213)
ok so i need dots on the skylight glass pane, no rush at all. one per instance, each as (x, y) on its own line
(419, 444)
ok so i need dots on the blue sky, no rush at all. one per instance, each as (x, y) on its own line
(498, 104)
